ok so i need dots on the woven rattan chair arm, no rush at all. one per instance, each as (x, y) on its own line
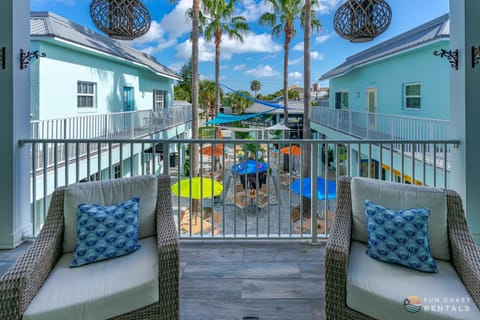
(465, 253)
(336, 254)
(21, 282)
(340, 234)
(168, 251)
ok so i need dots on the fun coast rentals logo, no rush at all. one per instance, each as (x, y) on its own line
(412, 304)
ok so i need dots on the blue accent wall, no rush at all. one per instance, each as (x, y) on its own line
(389, 75)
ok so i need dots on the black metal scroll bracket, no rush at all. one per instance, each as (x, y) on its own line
(27, 56)
(2, 57)
(452, 56)
(475, 56)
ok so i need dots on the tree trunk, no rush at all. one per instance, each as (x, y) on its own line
(194, 152)
(286, 133)
(285, 79)
(307, 109)
(218, 39)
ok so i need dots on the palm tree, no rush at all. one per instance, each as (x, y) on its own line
(239, 103)
(283, 17)
(207, 95)
(195, 150)
(307, 109)
(255, 86)
(216, 20)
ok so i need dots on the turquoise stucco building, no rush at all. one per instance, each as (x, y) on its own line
(397, 89)
(84, 72)
(400, 76)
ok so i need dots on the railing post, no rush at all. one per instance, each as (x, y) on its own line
(132, 125)
(105, 126)
(313, 202)
(64, 128)
(166, 157)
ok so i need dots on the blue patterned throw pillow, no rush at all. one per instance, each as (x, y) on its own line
(399, 237)
(105, 232)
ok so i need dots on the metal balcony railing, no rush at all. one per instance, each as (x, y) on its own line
(122, 125)
(365, 125)
(258, 204)
(119, 125)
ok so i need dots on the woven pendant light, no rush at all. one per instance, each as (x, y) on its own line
(362, 20)
(120, 19)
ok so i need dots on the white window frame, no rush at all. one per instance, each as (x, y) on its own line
(85, 93)
(159, 99)
(406, 97)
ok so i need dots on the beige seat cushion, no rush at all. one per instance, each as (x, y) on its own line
(398, 196)
(99, 290)
(106, 193)
(378, 289)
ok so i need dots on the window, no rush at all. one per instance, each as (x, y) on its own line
(158, 100)
(86, 94)
(117, 171)
(341, 100)
(412, 92)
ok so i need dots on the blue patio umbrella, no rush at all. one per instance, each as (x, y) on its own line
(249, 167)
(307, 185)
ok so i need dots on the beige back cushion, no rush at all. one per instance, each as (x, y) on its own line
(106, 193)
(398, 196)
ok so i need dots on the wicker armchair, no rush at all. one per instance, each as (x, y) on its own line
(464, 253)
(21, 283)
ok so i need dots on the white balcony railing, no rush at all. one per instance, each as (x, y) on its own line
(119, 125)
(274, 211)
(365, 125)
(122, 125)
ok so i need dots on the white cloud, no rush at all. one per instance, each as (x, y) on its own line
(322, 38)
(295, 75)
(176, 23)
(177, 66)
(205, 52)
(262, 71)
(163, 34)
(252, 43)
(293, 62)
(239, 67)
(205, 77)
(298, 47)
(251, 9)
(326, 6)
(314, 55)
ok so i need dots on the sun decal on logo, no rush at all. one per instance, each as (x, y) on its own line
(412, 304)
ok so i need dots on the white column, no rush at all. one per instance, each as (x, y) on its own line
(465, 108)
(14, 124)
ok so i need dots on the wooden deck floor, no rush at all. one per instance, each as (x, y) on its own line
(252, 280)
(244, 280)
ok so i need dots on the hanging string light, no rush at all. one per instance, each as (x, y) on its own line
(362, 20)
(120, 19)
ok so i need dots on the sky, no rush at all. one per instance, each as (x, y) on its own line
(260, 56)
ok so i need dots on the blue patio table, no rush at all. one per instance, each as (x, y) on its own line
(306, 188)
